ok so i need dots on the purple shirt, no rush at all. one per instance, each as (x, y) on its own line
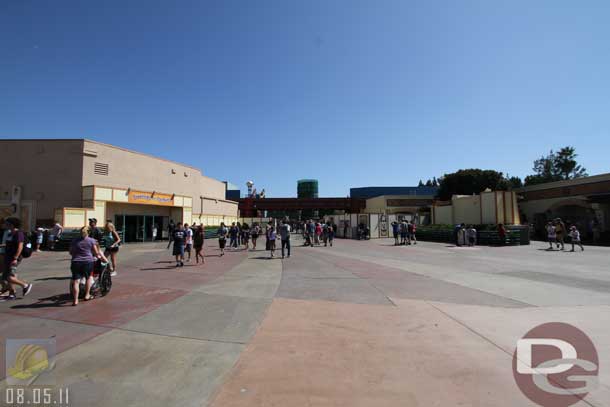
(81, 249)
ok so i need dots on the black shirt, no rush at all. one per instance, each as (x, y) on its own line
(179, 237)
(96, 234)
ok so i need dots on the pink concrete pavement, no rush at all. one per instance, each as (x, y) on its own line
(316, 353)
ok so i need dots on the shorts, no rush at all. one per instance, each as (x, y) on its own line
(254, 236)
(188, 248)
(114, 249)
(222, 243)
(395, 235)
(412, 236)
(81, 269)
(471, 240)
(552, 239)
(178, 250)
(271, 244)
(39, 239)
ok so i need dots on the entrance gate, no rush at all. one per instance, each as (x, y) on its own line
(142, 228)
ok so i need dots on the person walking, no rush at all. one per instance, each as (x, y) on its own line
(560, 232)
(395, 232)
(245, 235)
(179, 239)
(112, 240)
(94, 232)
(198, 240)
(551, 234)
(171, 228)
(331, 234)
(285, 236)
(575, 237)
(188, 241)
(471, 233)
(256, 231)
(239, 233)
(55, 235)
(311, 230)
(222, 238)
(412, 232)
(84, 250)
(271, 237)
(233, 234)
(318, 233)
(13, 250)
(404, 232)
(39, 233)
(325, 234)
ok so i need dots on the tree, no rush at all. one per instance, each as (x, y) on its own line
(566, 165)
(515, 182)
(471, 181)
(435, 182)
(556, 166)
(421, 184)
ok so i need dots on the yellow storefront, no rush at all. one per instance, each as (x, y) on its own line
(138, 215)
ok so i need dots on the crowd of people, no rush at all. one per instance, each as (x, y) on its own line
(240, 236)
(102, 244)
(557, 234)
(315, 233)
(92, 243)
(404, 232)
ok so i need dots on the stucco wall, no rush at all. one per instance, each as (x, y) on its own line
(49, 172)
(443, 215)
(467, 209)
(128, 169)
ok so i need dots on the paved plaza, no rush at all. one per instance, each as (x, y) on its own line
(363, 323)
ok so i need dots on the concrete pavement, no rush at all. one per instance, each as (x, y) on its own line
(361, 324)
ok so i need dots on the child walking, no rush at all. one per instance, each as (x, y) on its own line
(575, 235)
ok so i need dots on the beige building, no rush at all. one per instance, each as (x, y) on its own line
(411, 207)
(71, 180)
(584, 202)
(489, 207)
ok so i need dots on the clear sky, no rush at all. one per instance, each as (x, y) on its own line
(353, 93)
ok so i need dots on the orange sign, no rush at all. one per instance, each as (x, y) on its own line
(150, 198)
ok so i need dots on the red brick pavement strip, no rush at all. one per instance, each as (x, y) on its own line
(47, 312)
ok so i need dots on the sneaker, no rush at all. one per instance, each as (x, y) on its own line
(11, 297)
(181, 264)
(113, 274)
(27, 289)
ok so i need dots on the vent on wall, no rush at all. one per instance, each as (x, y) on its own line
(100, 168)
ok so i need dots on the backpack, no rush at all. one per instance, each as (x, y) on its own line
(27, 247)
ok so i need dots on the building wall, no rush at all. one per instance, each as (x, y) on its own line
(48, 171)
(397, 204)
(371, 192)
(467, 209)
(443, 215)
(487, 208)
(128, 169)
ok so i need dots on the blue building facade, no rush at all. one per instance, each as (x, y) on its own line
(371, 192)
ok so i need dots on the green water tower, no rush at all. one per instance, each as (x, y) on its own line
(307, 188)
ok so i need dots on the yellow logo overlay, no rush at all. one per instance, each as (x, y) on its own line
(31, 360)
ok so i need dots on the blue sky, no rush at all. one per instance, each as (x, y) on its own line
(353, 93)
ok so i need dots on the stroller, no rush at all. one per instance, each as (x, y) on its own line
(102, 282)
